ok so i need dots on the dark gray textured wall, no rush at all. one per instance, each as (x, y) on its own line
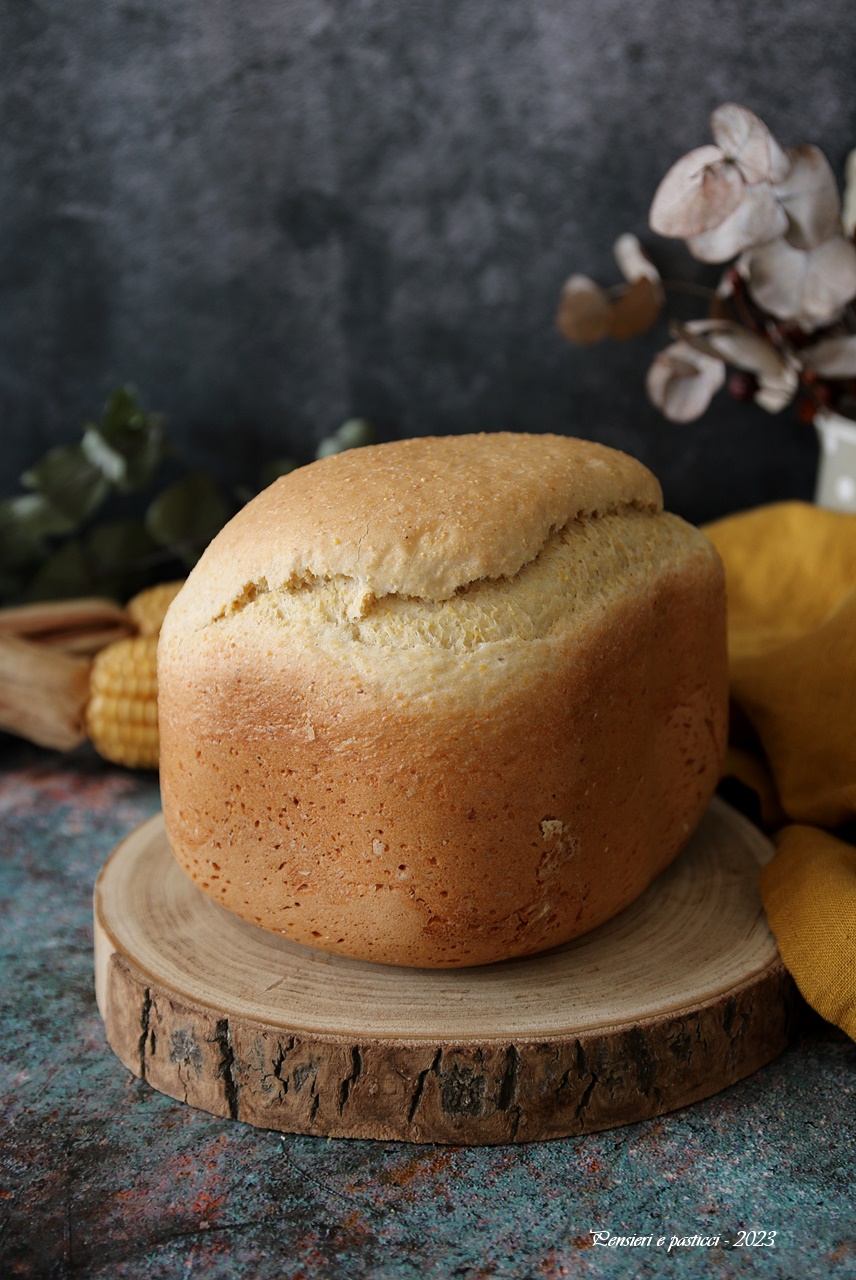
(270, 215)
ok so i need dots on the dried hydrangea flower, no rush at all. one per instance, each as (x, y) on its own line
(776, 373)
(832, 357)
(776, 216)
(682, 381)
(809, 198)
(758, 218)
(747, 142)
(809, 287)
(709, 186)
(698, 193)
(583, 314)
(587, 313)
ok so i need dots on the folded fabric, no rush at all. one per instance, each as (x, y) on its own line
(791, 580)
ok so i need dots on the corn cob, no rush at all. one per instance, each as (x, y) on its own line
(122, 712)
(148, 609)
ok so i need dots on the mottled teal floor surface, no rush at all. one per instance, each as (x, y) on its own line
(102, 1177)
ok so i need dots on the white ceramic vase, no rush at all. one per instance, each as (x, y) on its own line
(836, 475)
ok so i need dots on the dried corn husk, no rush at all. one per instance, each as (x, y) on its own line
(43, 693)
(75, 626)
(54, 695)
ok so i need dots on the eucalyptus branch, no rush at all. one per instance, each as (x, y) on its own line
(52, 544)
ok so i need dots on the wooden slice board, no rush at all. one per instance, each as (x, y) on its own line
(679, 996)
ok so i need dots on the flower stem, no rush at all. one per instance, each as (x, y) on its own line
(687, 286)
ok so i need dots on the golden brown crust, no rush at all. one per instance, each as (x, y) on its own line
(457, 780)
(414, 518)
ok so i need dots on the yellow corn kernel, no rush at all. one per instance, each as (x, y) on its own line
(122, 711)
(148, 609)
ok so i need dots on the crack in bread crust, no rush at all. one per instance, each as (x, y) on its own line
(416, 518)
(581, 567)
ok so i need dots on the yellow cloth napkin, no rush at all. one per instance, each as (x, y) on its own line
(791, 579)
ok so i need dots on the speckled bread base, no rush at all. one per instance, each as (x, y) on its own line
(416, 838)
(452, 779)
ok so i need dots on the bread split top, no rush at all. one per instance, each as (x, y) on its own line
(417, 518)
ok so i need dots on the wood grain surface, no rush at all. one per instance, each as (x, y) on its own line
(679, 996)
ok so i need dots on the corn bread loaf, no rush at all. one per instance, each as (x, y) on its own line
(444, 701)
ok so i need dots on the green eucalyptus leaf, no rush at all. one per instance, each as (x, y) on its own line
(12, 582)
(32, 516)
(121, 408)
(63, 575)
(66, 487)
(110, 462)
(355, 432)
(273, 470)
(122, 555)
(69, 481)
(120, 545)
(135, 435)
(351, 435)
(185, 517)
(20, 549)
(25, 522)
(328, 446)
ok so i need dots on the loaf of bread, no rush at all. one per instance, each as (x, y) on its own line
(445, 701)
